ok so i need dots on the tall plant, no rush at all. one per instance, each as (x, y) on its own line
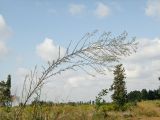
(118, 86)
(91, 52)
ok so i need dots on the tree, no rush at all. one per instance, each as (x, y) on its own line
(151, 95)
(99, 99)
(118, 86)
(2, 91)
(8, 91)
(156, 94)
(134, 96)
(144, 94)
(159, 87)
(5, 92)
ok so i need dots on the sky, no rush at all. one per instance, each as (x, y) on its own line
(32, 30)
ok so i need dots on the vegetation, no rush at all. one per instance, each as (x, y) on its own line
(118, 86)
(99, 99)
(5, 92)
(144, 110)
(143, 95)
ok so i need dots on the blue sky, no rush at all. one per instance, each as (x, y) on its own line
(33, 23)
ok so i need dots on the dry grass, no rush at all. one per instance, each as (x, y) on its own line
(145, 110)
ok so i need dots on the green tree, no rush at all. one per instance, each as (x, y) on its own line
(159, 87)
(118, 86)
(151, 95)
(99, 99)
(134, 96)
(144, 94)
(5, 92)
(2, 91)
(8, 91)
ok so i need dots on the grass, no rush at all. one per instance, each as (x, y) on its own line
(148, 109)
(145, 110)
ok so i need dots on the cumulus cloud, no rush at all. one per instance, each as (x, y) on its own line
(3, 49)
(18, 82)
(48, 50)
(142, 68)
(153, 8)
(22, 72)
(147, 50)
(4, 29)
(79, 80)
(76, 9)
(102, 10)
(75, 86)
(4, 34)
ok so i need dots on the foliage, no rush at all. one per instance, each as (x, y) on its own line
(118, 86)
(144, 94)
(99, 99)
(5, 92)
(136, 95)
(8, 91)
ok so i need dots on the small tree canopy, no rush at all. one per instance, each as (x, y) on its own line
(5, 92)
(118, 86)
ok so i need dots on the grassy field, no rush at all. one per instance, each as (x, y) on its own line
(145, 110)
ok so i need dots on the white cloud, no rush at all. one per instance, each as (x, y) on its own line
(102, 10)
(142, 68)
(133, 71)
(147, 50)
(153, 8)
(75, 85)
(76, 9)
(79, 80)
(3, 49)
(49, 51)
(18, 82)
(4, 29)
(4, 34)
(75, 81)
(22, 72)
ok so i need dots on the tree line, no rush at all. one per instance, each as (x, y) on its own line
(143, 95)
